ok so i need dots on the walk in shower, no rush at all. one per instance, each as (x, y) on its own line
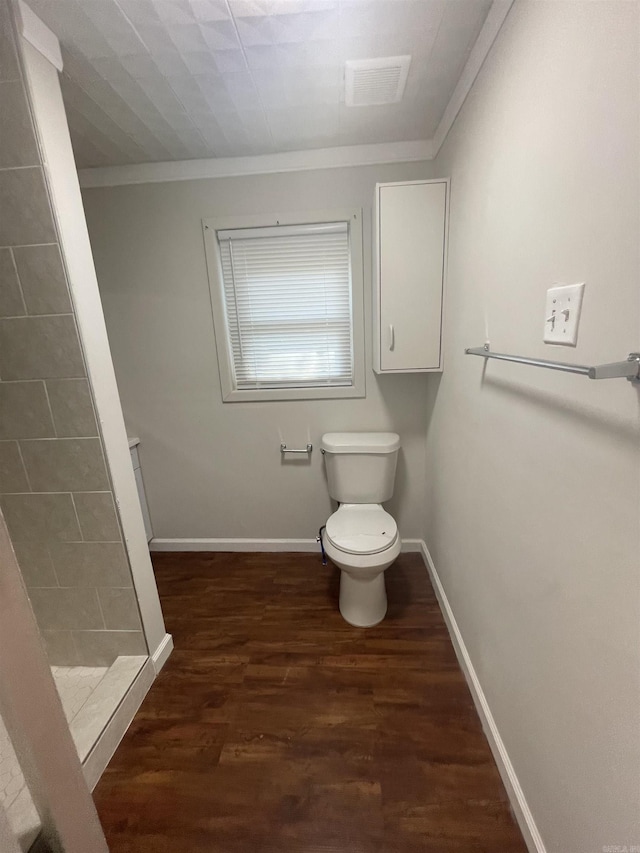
(56, 493)
(66, 493)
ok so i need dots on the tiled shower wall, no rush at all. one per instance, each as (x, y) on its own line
(55, 491)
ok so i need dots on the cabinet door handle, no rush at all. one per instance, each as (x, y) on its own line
(392, 337)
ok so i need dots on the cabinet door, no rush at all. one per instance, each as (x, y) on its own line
(411, 245)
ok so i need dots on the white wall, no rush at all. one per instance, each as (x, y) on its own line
(533, 477)
(212, 469)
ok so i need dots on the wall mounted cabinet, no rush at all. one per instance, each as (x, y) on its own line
(411, 238)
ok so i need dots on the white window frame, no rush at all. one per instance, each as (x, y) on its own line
(230, 394)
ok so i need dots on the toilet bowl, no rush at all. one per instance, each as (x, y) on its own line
(361, 538)
(362, 541)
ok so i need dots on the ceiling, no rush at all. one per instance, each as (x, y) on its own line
(157, 80)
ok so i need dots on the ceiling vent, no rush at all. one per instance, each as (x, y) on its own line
(370, 82)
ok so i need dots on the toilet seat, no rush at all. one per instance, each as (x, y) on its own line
(361, 529)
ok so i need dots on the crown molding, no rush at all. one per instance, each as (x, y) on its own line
(261, 164)
(38, 34)
(490, 29)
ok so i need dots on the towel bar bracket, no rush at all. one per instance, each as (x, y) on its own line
(635, 357)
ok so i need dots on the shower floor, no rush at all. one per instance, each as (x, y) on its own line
(89, 696)
(75, 685)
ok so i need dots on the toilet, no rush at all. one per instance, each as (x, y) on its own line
(361, 538)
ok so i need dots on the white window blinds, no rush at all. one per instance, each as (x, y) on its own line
(287, 293)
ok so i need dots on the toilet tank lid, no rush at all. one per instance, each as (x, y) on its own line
(360, 442)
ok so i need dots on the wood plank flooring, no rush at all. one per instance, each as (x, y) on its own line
(277, 727)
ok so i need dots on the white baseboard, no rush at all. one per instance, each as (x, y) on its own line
(161, 654)
(515, 793)
(412, 546)
(249, 545)
(309, 546)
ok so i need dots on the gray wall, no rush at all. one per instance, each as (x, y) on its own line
(533, 477)
(213, 469)
(55, 491)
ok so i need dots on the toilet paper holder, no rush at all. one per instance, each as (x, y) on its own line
(285, 449)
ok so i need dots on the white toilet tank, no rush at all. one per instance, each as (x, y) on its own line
(361, 466)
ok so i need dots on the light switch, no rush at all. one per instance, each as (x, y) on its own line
(563, 314)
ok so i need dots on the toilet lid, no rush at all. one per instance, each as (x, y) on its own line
(361, 529)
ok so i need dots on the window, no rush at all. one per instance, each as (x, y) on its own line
(287, 306)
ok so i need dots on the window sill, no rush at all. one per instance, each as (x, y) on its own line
(283, 394)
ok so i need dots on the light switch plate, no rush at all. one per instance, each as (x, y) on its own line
(562, 314)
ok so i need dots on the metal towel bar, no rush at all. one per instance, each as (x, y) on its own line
(629, 369)
(285, 449)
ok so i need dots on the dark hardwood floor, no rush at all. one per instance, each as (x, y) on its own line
(277, 727)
